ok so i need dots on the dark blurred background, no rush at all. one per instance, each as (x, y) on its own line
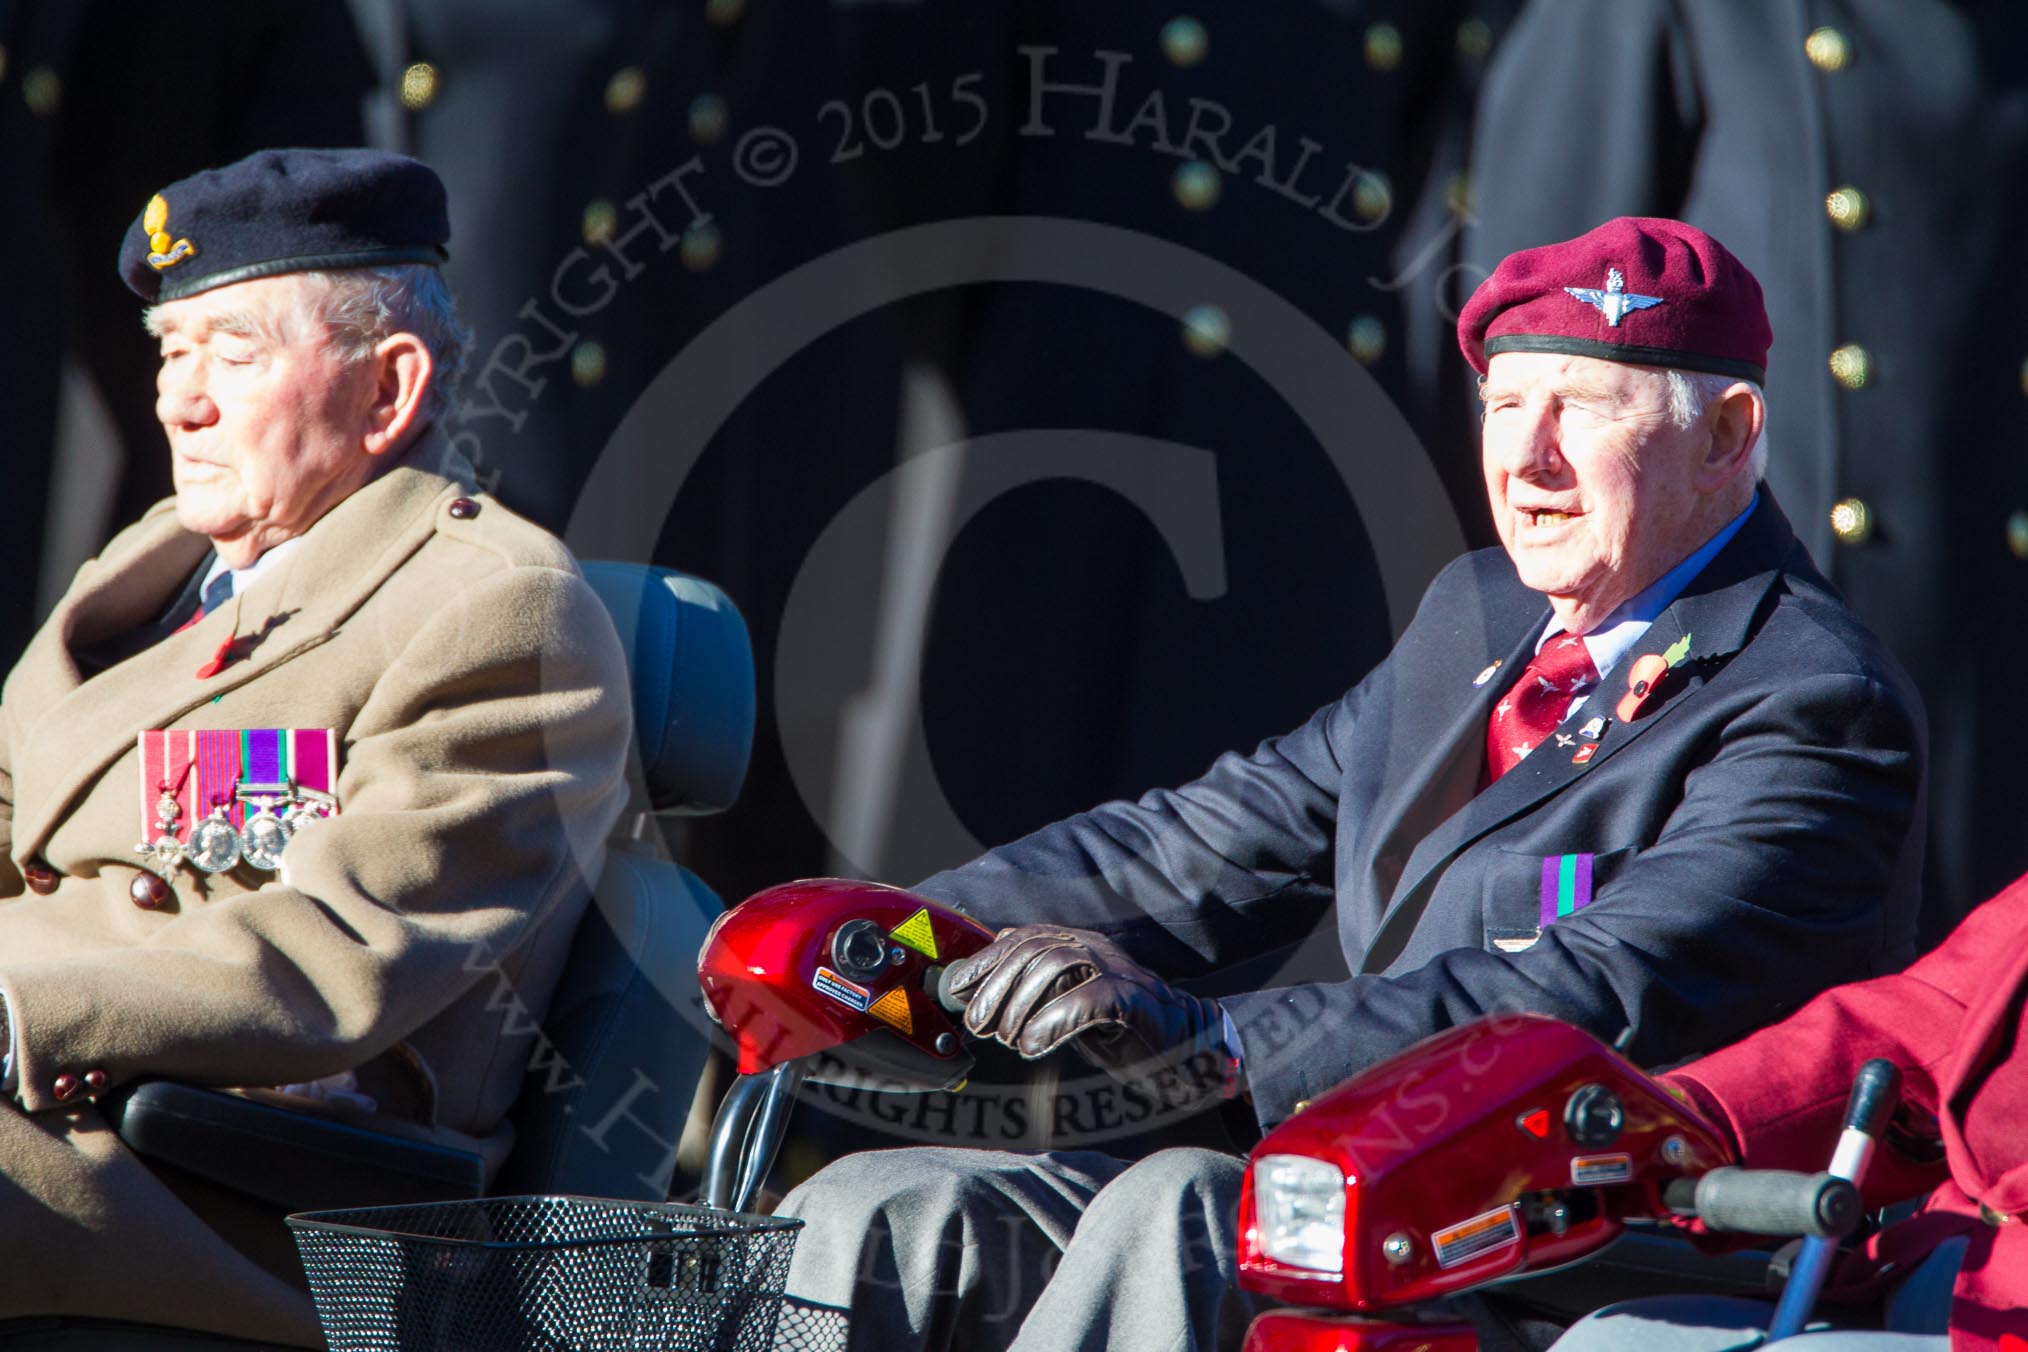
(963, 633)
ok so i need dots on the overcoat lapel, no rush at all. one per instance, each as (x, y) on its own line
(1715, 613)
(344, 557)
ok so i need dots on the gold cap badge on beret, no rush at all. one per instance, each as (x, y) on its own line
(162, 251)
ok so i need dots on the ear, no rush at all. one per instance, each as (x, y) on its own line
(402, 372)
(1737, 418)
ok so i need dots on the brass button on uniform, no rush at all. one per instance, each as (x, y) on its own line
(624, 90)
(1828, 49)
(701, 246)
(1848, 208)
(148, 892)
(1383, 46)
(1852, 521)
(708, 116)
(588, 363)
(1196, 185)
(41, 90)
(601, 219)
(1372, 195)
(1301, 1104)
(1851, 366)
(1184, 41)
(1475, 39)
(40, 877)
(1366, 339)
(463, 509)
(418, 86)
(2017, 535)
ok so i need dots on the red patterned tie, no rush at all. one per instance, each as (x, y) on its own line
(1538, 702)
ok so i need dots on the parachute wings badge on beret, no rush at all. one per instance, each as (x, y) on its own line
(1615, 302)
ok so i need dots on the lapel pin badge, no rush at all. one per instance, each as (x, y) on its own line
(1593, 729)
(1584, 753)
(1485, 675)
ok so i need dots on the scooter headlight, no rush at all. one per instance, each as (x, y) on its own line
(1299, 1205)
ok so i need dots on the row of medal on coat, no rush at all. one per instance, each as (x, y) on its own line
(223, 797)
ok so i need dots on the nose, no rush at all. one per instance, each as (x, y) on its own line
(1530, 448)
(180, 397)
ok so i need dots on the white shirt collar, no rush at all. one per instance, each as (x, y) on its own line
(242, 578)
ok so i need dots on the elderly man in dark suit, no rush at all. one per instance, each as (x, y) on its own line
(1641, 770)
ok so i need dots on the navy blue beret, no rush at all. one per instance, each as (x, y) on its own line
(282, 211)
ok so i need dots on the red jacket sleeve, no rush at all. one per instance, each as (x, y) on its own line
(1781, 1092)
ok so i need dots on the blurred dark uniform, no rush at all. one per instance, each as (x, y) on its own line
(1868, 159)
(31, 323)
(547, 122)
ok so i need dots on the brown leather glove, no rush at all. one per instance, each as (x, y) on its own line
(1036, 987)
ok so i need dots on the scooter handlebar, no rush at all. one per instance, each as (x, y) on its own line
(1768, 1202)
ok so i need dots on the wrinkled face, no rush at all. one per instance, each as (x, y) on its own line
(1593, 488)
(264, 417)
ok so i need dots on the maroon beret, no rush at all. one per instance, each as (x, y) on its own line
(1637, 289)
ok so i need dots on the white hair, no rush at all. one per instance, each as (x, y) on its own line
(359, 308)
(363, 306)
(1692, 393)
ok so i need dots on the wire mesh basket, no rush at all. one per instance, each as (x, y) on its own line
(544, 1273)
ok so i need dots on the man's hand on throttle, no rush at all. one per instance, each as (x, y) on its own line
(1036, 987)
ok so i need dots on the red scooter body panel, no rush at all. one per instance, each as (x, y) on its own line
(778, 977)
(1293, 1331)
(1466, 1152)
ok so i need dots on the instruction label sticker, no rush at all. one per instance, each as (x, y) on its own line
(841, 990)
(1595, 1171)
(1479, 1235)
(917, 934)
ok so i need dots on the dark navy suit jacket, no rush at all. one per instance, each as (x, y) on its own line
(1753, 835)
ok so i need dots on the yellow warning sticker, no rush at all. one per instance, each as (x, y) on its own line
(893, 1008)
(916, 933)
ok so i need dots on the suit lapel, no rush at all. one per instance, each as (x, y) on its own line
(344, 557)
(1715, 614)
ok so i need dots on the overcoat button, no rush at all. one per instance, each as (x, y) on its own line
(40, 877)
(1828, 49)
(95, 1080)
(464, 509)
(66, 1087)
(149, 892)
(1851, 366)
(1852, 521)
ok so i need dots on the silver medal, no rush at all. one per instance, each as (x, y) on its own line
(214, 846)
(164, 851)
(264, 836)
(309, 805)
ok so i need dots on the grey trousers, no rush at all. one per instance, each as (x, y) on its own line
(985, 1251)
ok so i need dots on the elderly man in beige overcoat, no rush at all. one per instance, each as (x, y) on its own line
(328, 568)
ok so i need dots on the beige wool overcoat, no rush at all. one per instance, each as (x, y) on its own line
(479, 698)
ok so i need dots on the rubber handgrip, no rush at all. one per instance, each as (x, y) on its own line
(1769, 1202)
(954, 1005)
